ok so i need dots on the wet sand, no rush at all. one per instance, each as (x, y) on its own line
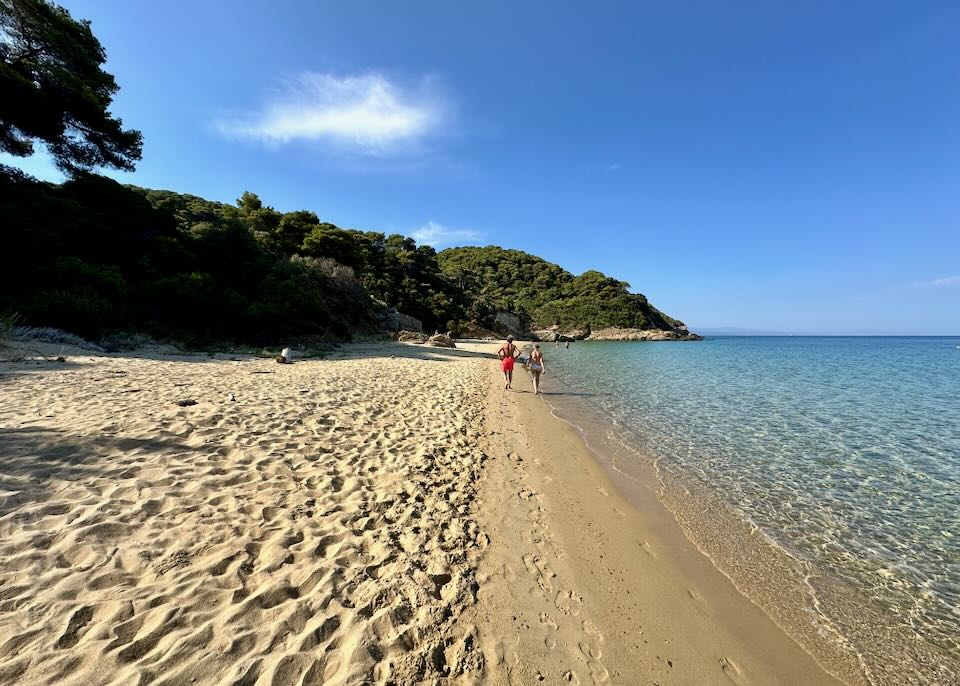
(585, 584)
(389, 515)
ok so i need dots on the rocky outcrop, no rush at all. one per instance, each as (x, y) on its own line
(408, 323)
(545, 335)
(574, 334)
(392, 320)
(410, 336)
(555, 334)
(441, 340)
(615, 334)
(474, 330)
(509, 324)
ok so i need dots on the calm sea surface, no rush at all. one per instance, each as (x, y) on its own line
(844, 451)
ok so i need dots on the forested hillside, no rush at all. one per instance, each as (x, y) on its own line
(495, 280)
(95, 257)
(98, 258)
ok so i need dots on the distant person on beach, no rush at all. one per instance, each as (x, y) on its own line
(284, 356)
(508, 354)
(536, 367)
(568, 345)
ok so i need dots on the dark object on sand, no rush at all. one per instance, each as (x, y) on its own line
(441, 340)
(410, 337)
(61, 359)
(186, 403)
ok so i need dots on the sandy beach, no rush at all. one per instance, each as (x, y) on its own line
(387, 515)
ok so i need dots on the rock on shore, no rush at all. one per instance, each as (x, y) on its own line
(615, 334)
(612, 333)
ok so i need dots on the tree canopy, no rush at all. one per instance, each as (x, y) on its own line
(95, 257)
(56, 91)
(543, 294)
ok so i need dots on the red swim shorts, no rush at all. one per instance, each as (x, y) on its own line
(507, 364)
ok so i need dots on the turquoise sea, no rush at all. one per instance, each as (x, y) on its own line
(843, 451)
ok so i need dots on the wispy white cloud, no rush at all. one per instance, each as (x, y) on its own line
(612, 167)
(937, 283)
(368, 114)
(438, 235)
(947, 281)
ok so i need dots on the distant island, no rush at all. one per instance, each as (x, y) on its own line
(105, 261)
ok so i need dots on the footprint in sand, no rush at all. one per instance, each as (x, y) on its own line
(75, 628)
(590, 629)
(598, 673)
(645, 547)
(589, 651)
(548, 621)
(730, 669)
(568, 602)
(220, 568)
(541, 571)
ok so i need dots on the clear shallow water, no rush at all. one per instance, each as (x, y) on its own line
(844, 451)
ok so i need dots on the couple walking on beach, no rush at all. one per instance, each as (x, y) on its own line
(508, 354)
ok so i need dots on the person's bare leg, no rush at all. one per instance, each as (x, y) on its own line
(536, 383)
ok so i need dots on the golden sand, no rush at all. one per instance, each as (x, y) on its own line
(387, 516)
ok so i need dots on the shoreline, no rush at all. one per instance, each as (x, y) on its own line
(845, 631)
(649, 605)
(735, 548)
(385, 515)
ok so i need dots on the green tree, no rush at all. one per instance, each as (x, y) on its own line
(491, 280)
(326, 240)
(55, 90)
(262, 221)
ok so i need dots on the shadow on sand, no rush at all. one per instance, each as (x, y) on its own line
(404, 350)
(32, 458)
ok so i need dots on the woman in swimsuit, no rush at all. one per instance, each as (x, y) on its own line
(536, 367)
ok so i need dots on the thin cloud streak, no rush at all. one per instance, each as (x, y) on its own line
(937, 283)
(947, 281)
(367, 114)
(438, 235)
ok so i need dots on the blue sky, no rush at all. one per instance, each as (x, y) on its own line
(774, 165)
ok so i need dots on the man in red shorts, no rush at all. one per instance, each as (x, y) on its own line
(508, 353)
